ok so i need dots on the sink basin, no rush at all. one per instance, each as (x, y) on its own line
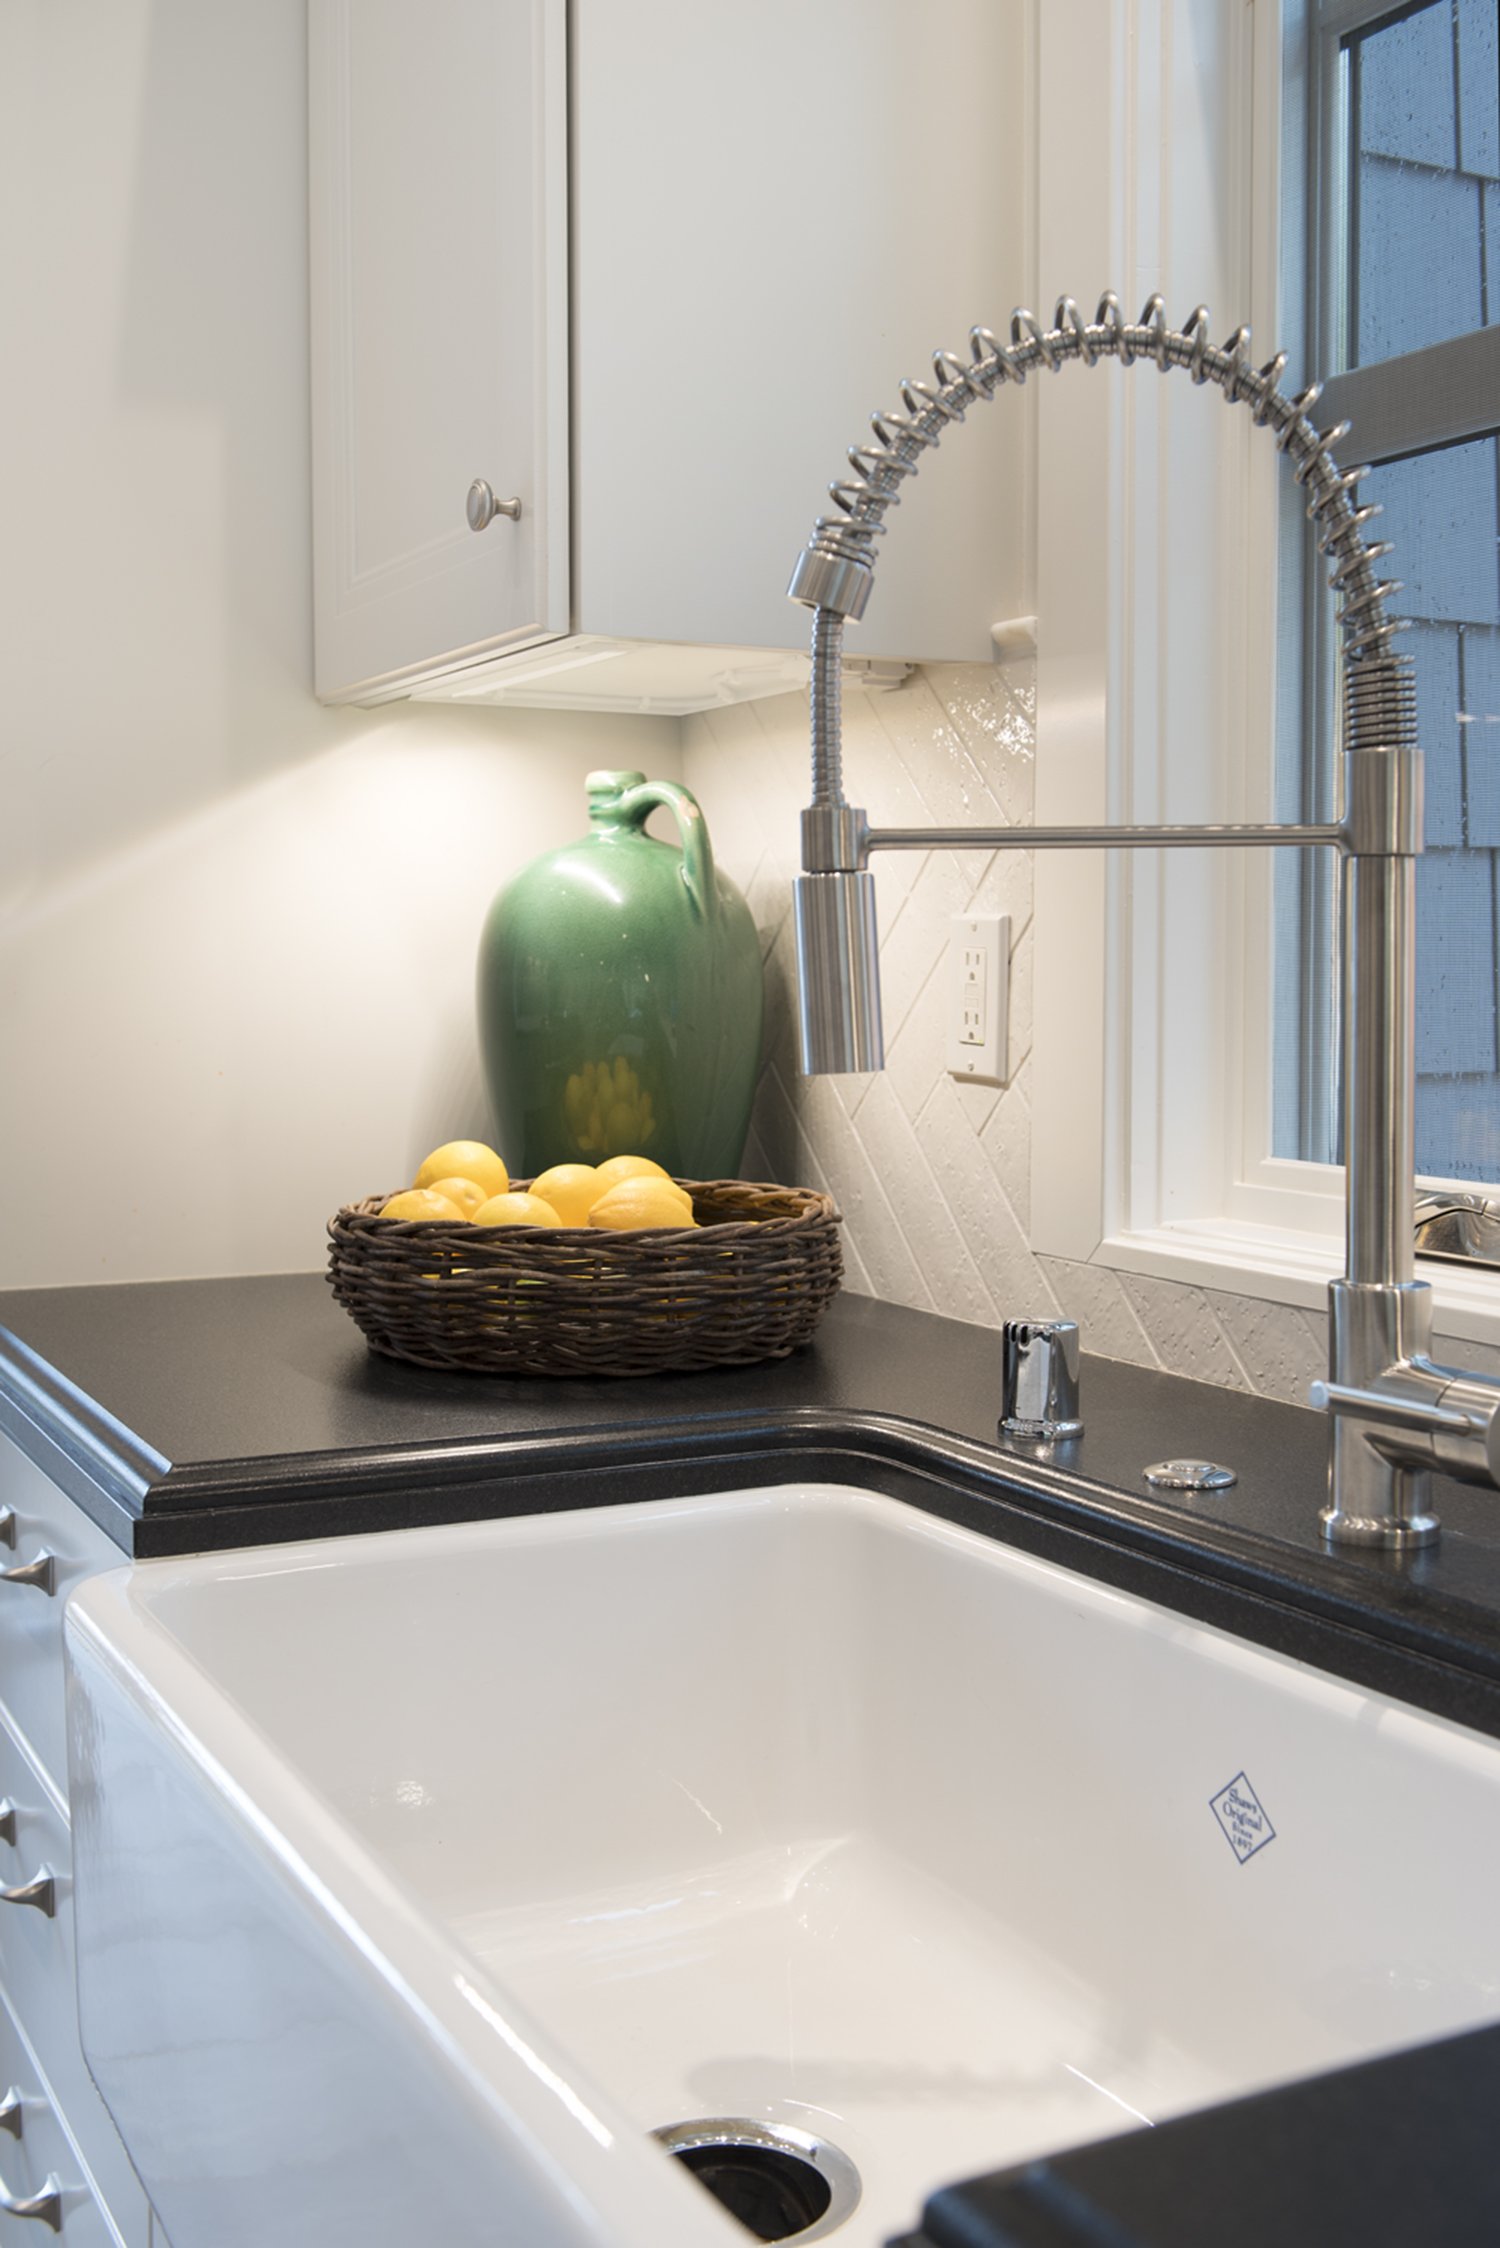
(421, 1877)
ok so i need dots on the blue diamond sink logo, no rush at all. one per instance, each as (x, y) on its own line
(1238, 1811)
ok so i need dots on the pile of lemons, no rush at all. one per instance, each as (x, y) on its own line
(465, 1182)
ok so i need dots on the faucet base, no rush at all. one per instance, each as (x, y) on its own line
(1377, 1338)
(1392, 1533)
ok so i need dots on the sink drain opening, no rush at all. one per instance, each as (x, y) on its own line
(781, 2184)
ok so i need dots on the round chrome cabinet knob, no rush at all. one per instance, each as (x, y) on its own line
(42, 1573)
(483, 507)
(45, 2205)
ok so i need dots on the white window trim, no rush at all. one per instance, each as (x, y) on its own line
(1157, 163)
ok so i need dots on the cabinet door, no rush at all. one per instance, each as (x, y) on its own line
(439, 342)
(781, 207)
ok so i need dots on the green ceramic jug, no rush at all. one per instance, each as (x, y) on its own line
(620, 996)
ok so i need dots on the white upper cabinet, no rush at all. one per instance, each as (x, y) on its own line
(439, 332)
(777, 211)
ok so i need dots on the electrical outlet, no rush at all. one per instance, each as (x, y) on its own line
(979, 1001)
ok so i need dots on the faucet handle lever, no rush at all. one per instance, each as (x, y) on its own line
(1039, 1396)
(1391, 1410)
(1429, 1416)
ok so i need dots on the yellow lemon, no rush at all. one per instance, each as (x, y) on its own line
(465, 1159)
(629, 1167)
(571, 1188)
(421, 1203)
(641, 1202)
(516, 1209)
(467, 1193)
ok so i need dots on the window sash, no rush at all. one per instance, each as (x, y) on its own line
(1441, 395)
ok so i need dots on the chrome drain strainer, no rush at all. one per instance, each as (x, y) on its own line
(780, 2183)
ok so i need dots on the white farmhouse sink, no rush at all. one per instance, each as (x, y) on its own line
(421, 1876)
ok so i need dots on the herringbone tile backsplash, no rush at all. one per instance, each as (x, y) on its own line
(933, 1175)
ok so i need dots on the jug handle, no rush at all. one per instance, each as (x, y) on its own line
(638, 803)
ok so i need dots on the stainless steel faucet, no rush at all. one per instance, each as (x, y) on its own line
(1395, 1414)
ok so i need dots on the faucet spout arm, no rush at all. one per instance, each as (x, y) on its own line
(1421, 1415)
(1213, 836)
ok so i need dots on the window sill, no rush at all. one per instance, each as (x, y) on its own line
(1295, 1269)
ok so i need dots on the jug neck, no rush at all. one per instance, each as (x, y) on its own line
(611, 801)
(622, 802)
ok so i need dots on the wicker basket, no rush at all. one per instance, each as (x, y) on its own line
(750, 1282)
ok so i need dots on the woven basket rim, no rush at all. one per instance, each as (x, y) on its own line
(747, 1285)
(820, 1209)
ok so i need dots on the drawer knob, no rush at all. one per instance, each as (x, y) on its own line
(7, 1821)
(40, 1891)
(482, 506)
(46, 2206)
(7, 1525)
(42, 1572)
(10, 2113)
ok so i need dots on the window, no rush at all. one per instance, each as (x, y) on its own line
(1397, 264)
(1183, 1083)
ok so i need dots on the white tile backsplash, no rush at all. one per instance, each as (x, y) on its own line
(933, 1176)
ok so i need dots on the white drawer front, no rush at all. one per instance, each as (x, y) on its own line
(37, 1972)
(44, 2151)
(31, 1663)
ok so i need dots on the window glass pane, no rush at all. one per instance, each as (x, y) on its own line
(1479, 87)
(1480, 708)
(1423, 120)
(1405, 96)
(1441, 514)
(1420, 272)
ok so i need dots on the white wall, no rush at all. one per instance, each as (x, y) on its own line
(237, 931)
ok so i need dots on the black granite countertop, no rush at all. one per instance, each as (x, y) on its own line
(189, 1414)
(197, 1414)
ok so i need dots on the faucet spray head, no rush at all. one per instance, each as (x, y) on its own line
(838, 974)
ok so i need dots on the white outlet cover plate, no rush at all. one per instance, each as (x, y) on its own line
(979, 997)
